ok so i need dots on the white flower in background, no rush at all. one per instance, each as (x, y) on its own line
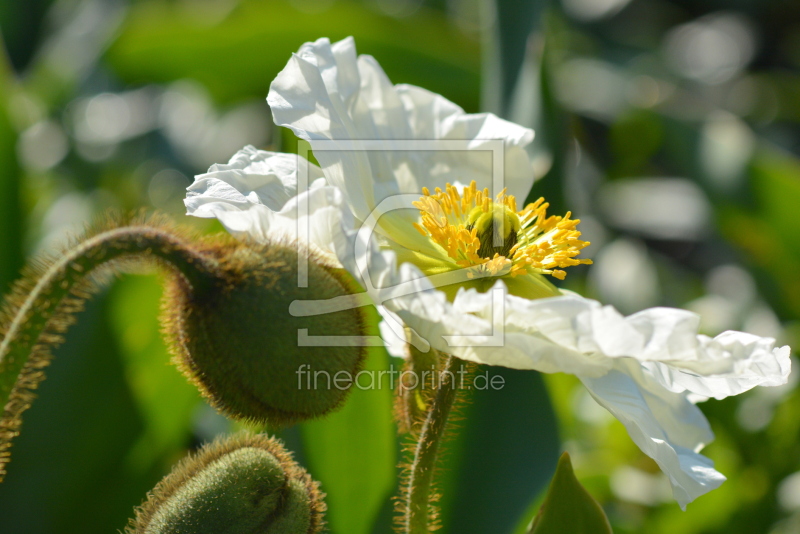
(457, 265)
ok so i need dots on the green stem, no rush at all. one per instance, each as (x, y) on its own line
(412, 403)
(32, 318)
(420, 480)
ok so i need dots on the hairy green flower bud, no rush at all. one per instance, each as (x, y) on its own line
(240, 344)
(239, 485)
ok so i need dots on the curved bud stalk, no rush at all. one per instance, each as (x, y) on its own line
(226, 313)
(245, 484)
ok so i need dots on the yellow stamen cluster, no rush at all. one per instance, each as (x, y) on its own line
(467, 225)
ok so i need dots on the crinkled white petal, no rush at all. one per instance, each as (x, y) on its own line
(431, 116)
(662, 425)
(682, 422)
(328, 94)
(254, 176)
(256, 195)
(751, 361)
(313, 95)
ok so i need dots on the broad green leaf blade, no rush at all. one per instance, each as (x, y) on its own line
(353, 452)
(518, 85)
(515, 21)
(568, 507)
(502, 455)
(22, 26)
(385, 522)
(166, 400)
(553, 135)
(67, 472)
(506, 48)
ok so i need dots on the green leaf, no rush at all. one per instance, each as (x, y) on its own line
(166, 400)
(553, 133)
(568, 507)
(353, 452)
(67, 472)
(515, 21)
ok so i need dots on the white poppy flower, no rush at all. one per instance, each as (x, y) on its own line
(466, 271)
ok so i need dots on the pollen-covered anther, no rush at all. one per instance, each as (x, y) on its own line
(476, 231)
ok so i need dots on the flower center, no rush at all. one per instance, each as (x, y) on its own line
(491, 235)
(497, 229)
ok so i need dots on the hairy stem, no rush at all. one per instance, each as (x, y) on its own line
(36, 315)
(412, 402)
(416, 519)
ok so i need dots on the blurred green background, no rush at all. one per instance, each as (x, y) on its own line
(670, 127)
